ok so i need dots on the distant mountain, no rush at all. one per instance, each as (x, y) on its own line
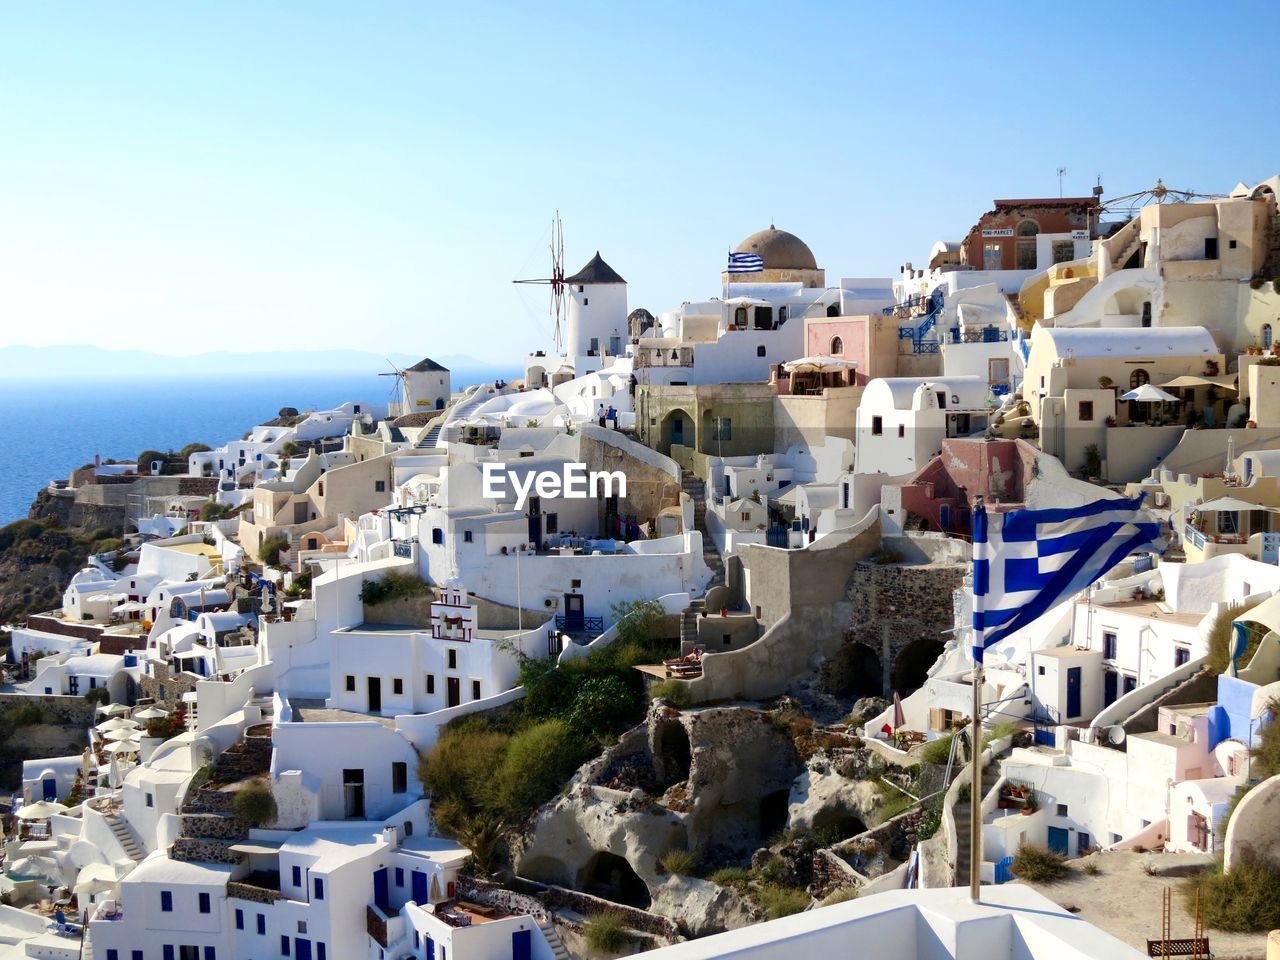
(85, 361)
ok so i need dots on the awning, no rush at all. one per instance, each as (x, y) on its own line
(1188, 380)
(1148, 393)
(1230, 505)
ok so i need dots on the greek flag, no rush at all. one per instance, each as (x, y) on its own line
(1026, 562)
(745, 262)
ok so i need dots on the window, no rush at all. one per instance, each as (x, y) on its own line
(431, 683)
(837, 346)
(262, 924)
(399, 876)
(437, 535)
(166, 901)
(724, 428)
(453, 659)
(135, 955)
(322, 488)
(284, 944)
(205, 905)
(1062, 809)
(302, 926)
(1108, 645)
(740, 317)
(399, 777)
(576, 584)
(552, 522)
(1231, 244)
(1064, 250)
(297, 876)
(1138, 378)
(475, 689)
(1211, 248)
(1266, 336)
(151, 799)
(397, 686)
(1086, 410)
(877, 426)
(1146, 313)
(113, 955)
(1028, 228)
(760, 350)
(1181, 655)
(466, 536)
(318, 883)
(379, 486)
(1040, 670)
(351, 683)
(239, 919)
(320, 951)
(902, 430)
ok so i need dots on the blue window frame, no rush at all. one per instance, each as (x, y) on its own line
(113, 955)
(262, 924)
(320, 950)
(297, 876)
(239, 919)
(399, 876)
(319, 885)
(205, 904)
(284, 945)
(166, 901)
(210, 953)
(136, 955)
(168, 951)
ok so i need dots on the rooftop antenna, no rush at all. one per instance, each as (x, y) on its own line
(1062, 172)
(556, 280)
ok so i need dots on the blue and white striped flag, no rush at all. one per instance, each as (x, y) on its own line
(745, 263)
(1026, 562)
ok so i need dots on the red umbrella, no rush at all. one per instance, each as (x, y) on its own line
(899, 715)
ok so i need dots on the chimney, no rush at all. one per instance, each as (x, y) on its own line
(392, 836)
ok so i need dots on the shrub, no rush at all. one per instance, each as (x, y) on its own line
(191, 448)
(674, 692)
(1038, 865)
(779, 901)
(1266, 751)
(1242, 900)
(393, 585)
(26, 715)
(735, 877)
(537, 761)
(606, 932)
(1005, 728)
(460, 768)
(937, 751)
(213, 510)
(683, 862)
(1092, 869)
(1222, 638)
(271, 549)
(98, 695)
(839, 895)
(601, 705)
(254, 803)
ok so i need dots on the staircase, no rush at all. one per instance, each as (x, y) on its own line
(428, 440)
(963, 810)
(450, 430)
(689, 622)
(1130, 247)
(122, 833)
(696, 490)
(558, 951)
(209, 824)
(1015, 307)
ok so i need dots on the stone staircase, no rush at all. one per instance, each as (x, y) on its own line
(696, 490)
(451, 431)
(209, 824)
(428, 441)
(963, 811)
(122, 833)
(558, 951)
(689, 622)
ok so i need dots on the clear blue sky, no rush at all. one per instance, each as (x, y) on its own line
(193, 176)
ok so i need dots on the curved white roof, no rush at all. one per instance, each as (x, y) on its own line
(1091, 342)
(972, 390)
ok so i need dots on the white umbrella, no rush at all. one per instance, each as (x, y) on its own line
(124, 746)
(1230, 505)
(151, 713)
(1150, 393)
(818, 363)
(36, 867)
(117, 723)
(113, 773)
(114, 708)
(122, 734)
(41, 810)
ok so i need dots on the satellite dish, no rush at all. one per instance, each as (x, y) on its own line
(1115, 736)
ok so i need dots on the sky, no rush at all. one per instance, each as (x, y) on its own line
(183, 177)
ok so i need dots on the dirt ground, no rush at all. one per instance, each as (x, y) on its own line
(1124, 900)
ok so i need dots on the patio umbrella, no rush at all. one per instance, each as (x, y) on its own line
(151, 713)
(117, 723)
(113, 773)
(113, 709)
(1229, 505)
(122, 734)
(41, 867)
(1150, 393)
(41, 810)
(899, 715)
(124, 746)
(818, 363)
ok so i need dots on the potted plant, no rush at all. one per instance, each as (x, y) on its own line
(1110, 421)
(1105, 382)
(1031, 806)
(1254, 350)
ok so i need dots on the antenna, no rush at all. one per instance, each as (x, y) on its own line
(1062, 172)
(556, 280)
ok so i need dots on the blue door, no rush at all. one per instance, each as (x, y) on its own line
(50, 786)
(301, 949)
(1058, 840)
(1110, 682)
(420, 895)
(380, 894)
(522, 945)
(1073, 692)
(944, 516)
(1270, 547)
(1004, 871)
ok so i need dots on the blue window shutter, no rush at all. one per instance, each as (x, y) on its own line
(166, 901)
(239, 919)
(284, 945)
(168, 951)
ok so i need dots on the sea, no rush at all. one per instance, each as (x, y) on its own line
(58, 424)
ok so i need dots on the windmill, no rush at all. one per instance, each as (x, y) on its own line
(396, 399)
(556, 280)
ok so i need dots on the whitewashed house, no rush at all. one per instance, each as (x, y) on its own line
(902, 421)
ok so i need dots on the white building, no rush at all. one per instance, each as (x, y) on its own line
(902, 421)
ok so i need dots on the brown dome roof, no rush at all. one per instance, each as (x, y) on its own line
(779, 250)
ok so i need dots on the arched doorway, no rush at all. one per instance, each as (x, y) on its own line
(678, 429)
(854, 672)
(610, 876)
(911, 666)
(673, 755)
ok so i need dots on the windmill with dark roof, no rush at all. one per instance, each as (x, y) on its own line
(421, 388)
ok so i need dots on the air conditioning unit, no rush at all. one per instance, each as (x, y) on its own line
(1087, 735)
(1160, 499)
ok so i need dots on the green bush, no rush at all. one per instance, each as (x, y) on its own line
(937, 751)
(459, 770)
(735, 877)
(601, 705)
(393, 585)
(26, 715)
(839, 895)
(674, 692)
(254, 803)
(212, 510)
(1245, 899)
(1266, 751)
(271, 548)
(1038, 865)
(98, 695)
(537, 761)
(779, 901)
(606, 932)
(684, 862)
(191, 448)
(1005, 728)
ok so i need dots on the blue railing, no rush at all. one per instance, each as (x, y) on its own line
(933, 304)
(590, 625)
(402, 548)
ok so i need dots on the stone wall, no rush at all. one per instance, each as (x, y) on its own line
(57, 710)
(62, 732)
(165, 688)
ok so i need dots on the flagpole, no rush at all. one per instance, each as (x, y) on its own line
(975, 729)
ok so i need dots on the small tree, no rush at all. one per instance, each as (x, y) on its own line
(255, 804)
(97, 696)
(272, 547)
(1092, 460)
